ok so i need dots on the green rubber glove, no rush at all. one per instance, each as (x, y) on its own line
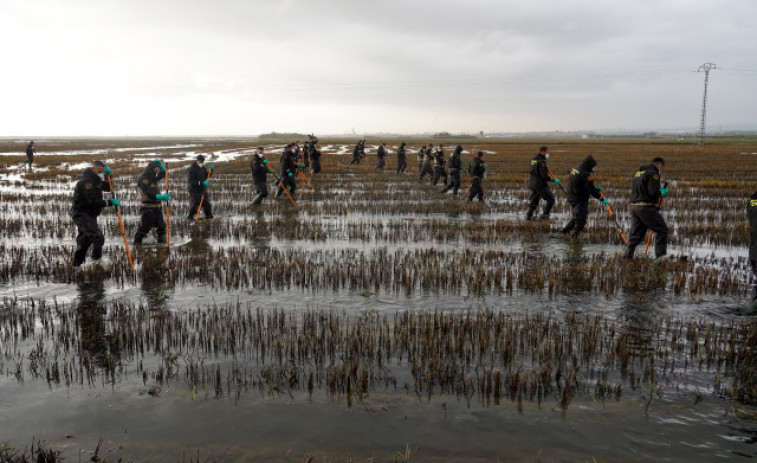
(664, 191)
(107, 171)
(211, 166)
(265, 161)
(160, 164)
(557, 180)
(205, 183)
(114, 202)
(598, 188)
(605, 201)
(290, 174)
(164, 197)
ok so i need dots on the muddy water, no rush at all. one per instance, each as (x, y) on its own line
(684, 418)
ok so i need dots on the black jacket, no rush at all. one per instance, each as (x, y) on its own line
(259, 170)
(751, 211)
(439, 160)
(287, 164)
(381, 153)
(455, 161)
(88, 194)
(147, 184)
(401, 152)
(580, 187)
(646, 185)
(315, 155)
(195, 176)
(476, 167)
(539, 173)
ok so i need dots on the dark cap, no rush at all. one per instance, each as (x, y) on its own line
(480, 154)
(98, 163)
(658, 160)
(200, 158)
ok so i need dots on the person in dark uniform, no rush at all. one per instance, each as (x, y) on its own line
(151, 210)
(259, 168)
(644, 209)
(752, 214)
(315, 158)
(197, 184)
(30, 154)
(580, 188)
(439, 170)
(358, 152)
(421, 158)
(477, 169)
(381, 157)
(287, 169)
(455, 164)
(401, 158)
(425, 167)
(538, 184)
(87, 206)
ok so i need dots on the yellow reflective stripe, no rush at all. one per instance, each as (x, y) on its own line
(639, 173)
(753, 202)
(574, 172)
(533, 162)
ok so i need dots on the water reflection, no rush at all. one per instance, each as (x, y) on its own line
(156, 288)
(91, 317)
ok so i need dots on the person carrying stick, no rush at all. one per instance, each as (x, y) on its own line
(644, 209)
(197, 183)
(87, 206)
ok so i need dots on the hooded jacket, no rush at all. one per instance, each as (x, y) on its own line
(88, 194)
(580, 187)
(539, 173)
(646, 185)
(147, 184)
(286, 164)
(455, 161)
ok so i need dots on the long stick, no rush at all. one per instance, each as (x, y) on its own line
(168, 214)
(620, 229)
(201, 199)
(559, 184)
(306, 179)
(121, 223)
(281, 185)
(649, 238)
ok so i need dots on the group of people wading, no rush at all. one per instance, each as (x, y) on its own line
(647, 192)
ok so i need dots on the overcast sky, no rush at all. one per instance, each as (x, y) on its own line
(222, 67)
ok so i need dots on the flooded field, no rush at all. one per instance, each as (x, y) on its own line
(378, 320)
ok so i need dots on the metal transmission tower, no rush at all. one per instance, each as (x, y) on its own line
(706, 68)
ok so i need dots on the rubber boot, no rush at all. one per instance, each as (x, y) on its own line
(258, 199)
(630, 252)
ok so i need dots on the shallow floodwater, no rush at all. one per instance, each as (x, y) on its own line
(678, 401)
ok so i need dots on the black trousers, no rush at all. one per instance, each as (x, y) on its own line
(645, 218)
(439, 172)
(754, 288)
(288, 183)
(380, 162)
(537, 195)
(424, 169)
(401, 165)
(89, 236)
(454, 181)
(194, 204)
(315, 166)
(579, 215)
(262, 190)
(151, 217)
(476, 190)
